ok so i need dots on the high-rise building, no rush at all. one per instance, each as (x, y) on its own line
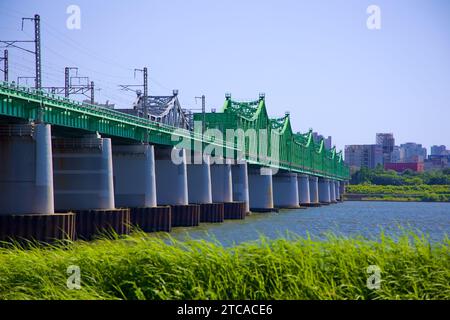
(413, 152)
(387, 142)
(397, 155)
(326, 141)
(365, 155)
(439, 150)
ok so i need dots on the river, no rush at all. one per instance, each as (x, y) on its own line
(349, 218)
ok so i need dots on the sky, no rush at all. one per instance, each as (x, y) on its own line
(316, 59)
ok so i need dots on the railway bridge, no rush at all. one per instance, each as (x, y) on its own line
(72, 170)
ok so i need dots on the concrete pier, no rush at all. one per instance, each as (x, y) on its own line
(200, 191)
(260, 190)
(304, 190)
(337, 190)
(172, 186)
(171, 178)
(314, 191)
(222, 191)
(199, 182)
(240, 184)
(26, 171)
(26, 187)
(324, 191)
(332, 192)
(285, 190)
(221, 181)
(83, 173)
(134, 176)
(342, 189)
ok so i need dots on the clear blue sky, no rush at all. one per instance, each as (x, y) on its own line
(316, 59)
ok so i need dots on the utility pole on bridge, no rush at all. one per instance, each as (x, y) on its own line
(144, 85)
(5, 65)
(203, 111)
(71, 89)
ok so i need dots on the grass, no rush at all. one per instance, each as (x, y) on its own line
(427, 193)
(151, 267)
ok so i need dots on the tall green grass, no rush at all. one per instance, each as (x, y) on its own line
(150, 267)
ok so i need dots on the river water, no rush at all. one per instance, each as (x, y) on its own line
(351, 218)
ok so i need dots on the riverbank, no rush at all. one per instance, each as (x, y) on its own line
(416, 193)
(153, 267)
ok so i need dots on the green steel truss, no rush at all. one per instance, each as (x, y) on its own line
(297, 152)
(25, 103)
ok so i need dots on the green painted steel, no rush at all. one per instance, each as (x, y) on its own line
(25, 103)
(298, 152)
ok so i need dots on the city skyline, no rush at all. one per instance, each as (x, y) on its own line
(318, 60)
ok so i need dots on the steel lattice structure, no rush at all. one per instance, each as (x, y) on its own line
(298, 152)
(161, 109)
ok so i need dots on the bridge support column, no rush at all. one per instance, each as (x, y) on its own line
(285, 190)
(83, 182)
(222, 191)
(333, 191)
(314, 191)
(135, 187)
(83, 173)
(240, 184)
(260, 190)
(134, 175)
(200, 191)
(26, 186)
(342, 189)
(324, 191)
(337, 190)
(26, 173)
(172, 186)
(304, 191)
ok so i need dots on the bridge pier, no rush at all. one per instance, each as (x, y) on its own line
(337, 191)
(332, 192)
(83, 184)
(135, 187)
(26, 173)
(134, 175)
(324, 191)
(172, 186)
(240, 184)
(314, 191)
(260, 190)
(83, 173)
(342, 189)
(222, 190)
(285, 190)
(304, 190)
(26, 186)
(200, 191)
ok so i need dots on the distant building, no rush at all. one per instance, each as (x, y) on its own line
(364, 155)
(413, 152)
(326, 141)
(439, 150)
(437, 162)
(387, 142)
(397, 155)
(402, 166)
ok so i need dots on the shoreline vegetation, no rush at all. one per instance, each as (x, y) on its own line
(387, 185)
(417, 193)
(155, 266)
